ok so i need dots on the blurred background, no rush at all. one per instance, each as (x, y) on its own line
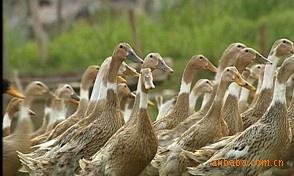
(55, 40)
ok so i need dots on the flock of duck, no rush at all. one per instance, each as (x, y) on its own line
(236, 121)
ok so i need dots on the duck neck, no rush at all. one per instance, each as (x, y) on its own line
(111, 97)
(215, 109)
(187, 79)
(193, 97)
(269, 73)
(98, 80)
(6, 121)
(218, 75)
(234, 90)
(278, 104)
(205, 103)
(143, 122)
(244, 95)
(136, 103)
(24, 124)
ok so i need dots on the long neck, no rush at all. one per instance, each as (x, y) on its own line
(234, 90)
(187, 79)
(24, 124)
(269, 73)
(6, 121)
(98, 80)
(136, 103)
(215, 109)
(205, 102)
(143, 122)
(259, 84)
(276, 113)
(244, 94)
(193, 97)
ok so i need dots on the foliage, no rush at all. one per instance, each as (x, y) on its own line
(179, 31)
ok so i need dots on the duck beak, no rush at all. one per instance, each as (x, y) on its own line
(120, 79)
(243, 83)
(130, 71)
(164, 67)
(75, 99)
(52, 94)
(132, 95)
(32, 113)
(150, 103)
(134, 57)
(292, 50)
(15, 93)
(211, 67)
(260, 59)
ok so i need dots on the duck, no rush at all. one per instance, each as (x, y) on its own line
(211, 127)
(19, 140)
(84, 119)
(289, 154)
(58, 105)
(251, 75)
(154, 61)
(280, 49)
(140, 140)
(129, 104)
(165, 107)
(11, 109)
(86, 82)
(267, 139)
(84, 143)
(100, 80)
(230, 109)
(201, 87)
(290, 87)
(228, 58)
(181, 109)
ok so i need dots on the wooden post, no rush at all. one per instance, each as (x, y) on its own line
(133, 22)
(263, 39)
(59, 15)
(40, 34)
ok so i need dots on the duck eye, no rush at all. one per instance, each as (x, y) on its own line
(201, 57)
(120, 46)
(228, 70)
(207, 82)
(239, 46)
(151, 55)
(246, 50)
(284, 41)
(39, 84)
(258, 67)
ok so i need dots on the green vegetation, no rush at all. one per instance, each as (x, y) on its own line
(180, 31)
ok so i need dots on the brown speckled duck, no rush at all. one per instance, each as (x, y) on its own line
(181, 109)
(138, 140)
(211, 127)
(19, 140)
(251, 75)
(267, 139)
(230, 108)
(280, 49)
(91, 138)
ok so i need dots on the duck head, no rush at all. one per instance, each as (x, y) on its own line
(125, 51)
(155, 61)
(282, 48)
(200, 61)
(231, 74)
(203, 86)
